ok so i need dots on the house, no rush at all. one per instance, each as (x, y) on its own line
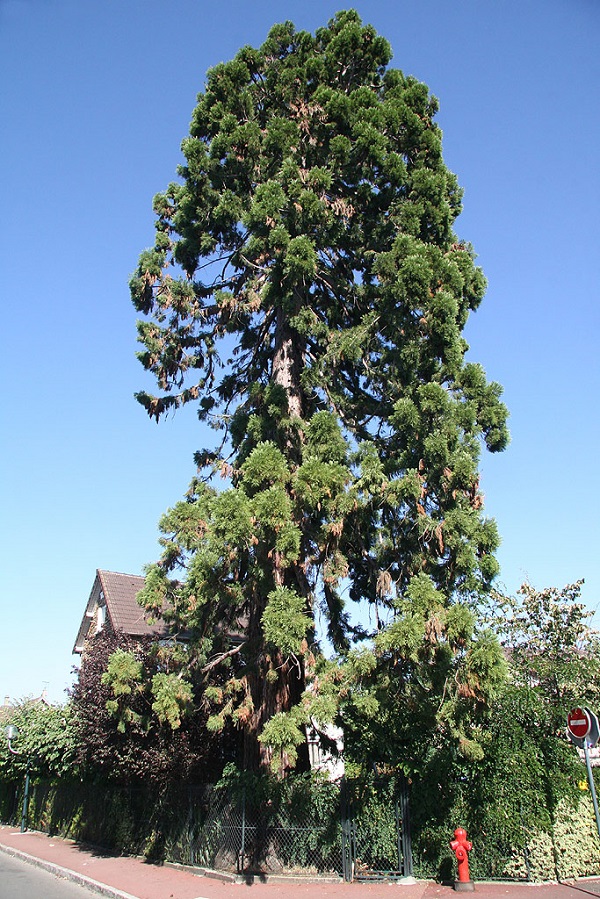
(113, 604)
(322, 739)
(9, 705)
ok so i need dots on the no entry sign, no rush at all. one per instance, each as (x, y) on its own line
(582, 724)
(579, 723)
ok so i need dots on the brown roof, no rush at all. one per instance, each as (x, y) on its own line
(118, 592)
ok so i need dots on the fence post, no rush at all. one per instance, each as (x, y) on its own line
(399, 835)
(243, 841)
(347, 854)
(407, 859)
(346, 835)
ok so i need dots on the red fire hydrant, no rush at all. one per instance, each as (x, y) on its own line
(461, 847)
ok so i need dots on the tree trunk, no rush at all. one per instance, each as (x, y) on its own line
(288, 361)
(271, 696)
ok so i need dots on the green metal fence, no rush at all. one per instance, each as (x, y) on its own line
(270, 837)
(300, 828)
(376, 837)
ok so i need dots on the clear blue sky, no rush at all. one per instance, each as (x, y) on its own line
(95, 99)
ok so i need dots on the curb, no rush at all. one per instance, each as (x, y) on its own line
(66, 874)
(251, 877)
(202, 872)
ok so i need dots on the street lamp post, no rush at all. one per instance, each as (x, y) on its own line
(11, 732)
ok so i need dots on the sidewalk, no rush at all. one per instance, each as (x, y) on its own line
(132, 878)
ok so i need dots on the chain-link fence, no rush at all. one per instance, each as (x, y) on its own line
(296, 827)
(358, 829)
(292, 831)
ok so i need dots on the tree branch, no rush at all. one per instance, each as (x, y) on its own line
(221, 657)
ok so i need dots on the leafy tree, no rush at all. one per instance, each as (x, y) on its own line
(46, 741)
(552, 648)
(127, 707)
(307, 292)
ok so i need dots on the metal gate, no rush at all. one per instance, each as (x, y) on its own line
(376, 841)
(286, 834)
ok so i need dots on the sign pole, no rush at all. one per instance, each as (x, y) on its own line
(591, 783)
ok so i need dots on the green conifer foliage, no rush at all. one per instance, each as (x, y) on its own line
(307, 292)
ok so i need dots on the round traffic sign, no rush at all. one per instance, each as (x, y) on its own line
(579, 723)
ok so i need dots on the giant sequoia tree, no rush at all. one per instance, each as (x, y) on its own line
(307, 292)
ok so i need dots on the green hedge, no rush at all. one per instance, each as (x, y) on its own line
(525, 806)
(134, 821)
(520, 827)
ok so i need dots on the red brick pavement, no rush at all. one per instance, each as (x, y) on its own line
(124, 877)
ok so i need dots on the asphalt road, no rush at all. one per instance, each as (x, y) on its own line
(21, 880)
